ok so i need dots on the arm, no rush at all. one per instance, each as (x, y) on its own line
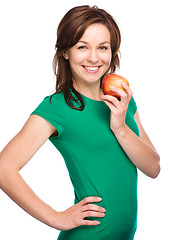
(15, 156)
(139, 149)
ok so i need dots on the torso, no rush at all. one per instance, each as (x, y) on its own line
(98, 166)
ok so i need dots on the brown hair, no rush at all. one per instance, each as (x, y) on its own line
(70, 30)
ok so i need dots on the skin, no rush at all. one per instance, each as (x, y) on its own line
(90, 51)
(140, 149)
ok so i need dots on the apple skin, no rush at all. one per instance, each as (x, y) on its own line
(113, 80)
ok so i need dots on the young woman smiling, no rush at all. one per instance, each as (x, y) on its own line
(100, 138)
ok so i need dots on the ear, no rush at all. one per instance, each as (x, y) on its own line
(65, 55)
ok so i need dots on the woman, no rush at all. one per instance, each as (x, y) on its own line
(100, 138)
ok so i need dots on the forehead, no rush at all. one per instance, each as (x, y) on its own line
(96, 32)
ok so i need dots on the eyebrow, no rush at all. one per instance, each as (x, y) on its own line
(99, 43)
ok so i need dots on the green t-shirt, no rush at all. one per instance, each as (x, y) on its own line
(97, 165)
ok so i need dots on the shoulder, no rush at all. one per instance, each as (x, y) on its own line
(54, 99)
(51, 109)
(51, 103)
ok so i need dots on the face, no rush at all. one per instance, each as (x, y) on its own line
(90, 58)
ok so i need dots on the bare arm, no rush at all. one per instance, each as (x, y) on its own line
(15, 156)
(140, 150)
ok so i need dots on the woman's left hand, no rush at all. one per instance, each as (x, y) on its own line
(118, 107)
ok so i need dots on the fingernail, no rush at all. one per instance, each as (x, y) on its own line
(112, 87)
(99, 198)
(124, 84)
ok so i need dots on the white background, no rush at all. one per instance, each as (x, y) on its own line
(28, 35)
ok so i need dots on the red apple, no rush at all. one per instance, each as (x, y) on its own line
(113, 80)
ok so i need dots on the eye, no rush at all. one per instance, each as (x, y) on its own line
(103, 48)
(82, 47)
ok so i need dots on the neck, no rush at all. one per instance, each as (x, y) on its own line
(92, 91)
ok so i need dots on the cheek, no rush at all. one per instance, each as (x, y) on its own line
(107, 59)
(76, 59)
(75, 63)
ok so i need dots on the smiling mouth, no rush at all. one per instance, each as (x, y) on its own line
(92, 68)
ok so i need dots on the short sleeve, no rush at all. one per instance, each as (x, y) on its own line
(133, 105)
(51, 110)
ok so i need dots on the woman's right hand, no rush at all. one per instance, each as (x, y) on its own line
(74, 216)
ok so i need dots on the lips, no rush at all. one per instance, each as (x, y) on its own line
(92, 69)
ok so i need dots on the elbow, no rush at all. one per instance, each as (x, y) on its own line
(1, 172)
(1, 179)
(157, 168)
(4, 175)
(156, 172)
(1, 176)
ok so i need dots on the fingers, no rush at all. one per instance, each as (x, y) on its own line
(89, 222)
(118, 92)
(109, 100)
(93, 214)
(124, 96)
(90, 200)
(91, 210)
(127, 93)
(127, 89)
(93, 207)
(76, 215)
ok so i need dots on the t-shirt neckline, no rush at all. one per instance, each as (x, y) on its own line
(92, 100)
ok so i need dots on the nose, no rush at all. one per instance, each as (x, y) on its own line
(93, 56)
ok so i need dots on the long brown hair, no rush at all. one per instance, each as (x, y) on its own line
(70, 30)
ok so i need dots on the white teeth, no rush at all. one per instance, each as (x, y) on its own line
(91, 68)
